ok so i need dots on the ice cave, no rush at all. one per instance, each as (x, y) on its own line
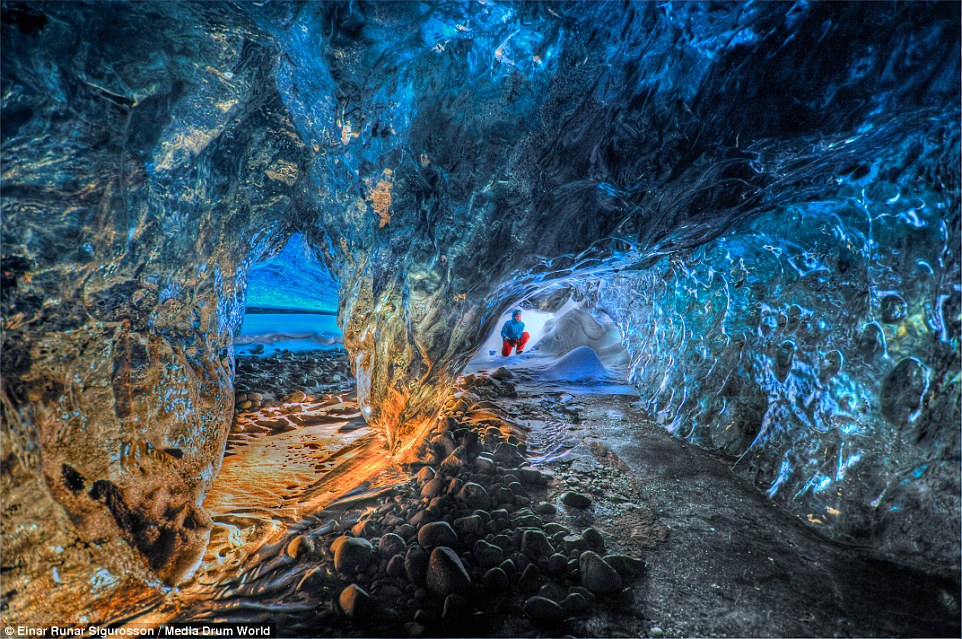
(481, 318)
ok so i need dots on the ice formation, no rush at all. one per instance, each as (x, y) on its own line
(764, 197)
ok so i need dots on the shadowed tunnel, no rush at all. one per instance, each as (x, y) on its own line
(256, 259)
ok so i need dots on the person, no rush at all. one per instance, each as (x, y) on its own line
(513, 334)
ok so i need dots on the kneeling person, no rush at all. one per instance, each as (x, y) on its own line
(513, 334)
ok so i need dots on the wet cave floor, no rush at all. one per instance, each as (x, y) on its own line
(719, 559)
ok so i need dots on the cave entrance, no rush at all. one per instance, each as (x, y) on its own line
(296, 418)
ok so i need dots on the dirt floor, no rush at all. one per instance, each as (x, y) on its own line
(720, 560)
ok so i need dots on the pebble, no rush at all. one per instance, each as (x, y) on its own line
(531, 476)
(438, 533)
(391, 544)
(425, 475)
(557, 565)
(575, 603)
(627, 567)
(544, 611)
(544, 508)
(433, 488)
(446, 574)
(535, 545)
(597, 576)
(416, 564)
(300, 546)
(594, 538)
(395, 566)
(455, 608)
(495, 580)
(506, 454)
(575, 500)
(656, 632)
(474, 495)
(528, 582)
(355, 602)
(487, 554)
(351, 553)
(502, 373)
(472, 525)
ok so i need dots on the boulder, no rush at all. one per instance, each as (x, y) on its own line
(438, 533)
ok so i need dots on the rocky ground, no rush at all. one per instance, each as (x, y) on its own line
(545, 509)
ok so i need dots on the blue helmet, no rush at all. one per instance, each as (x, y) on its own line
(516, 311)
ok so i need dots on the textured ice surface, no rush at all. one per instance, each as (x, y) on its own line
(761, 189)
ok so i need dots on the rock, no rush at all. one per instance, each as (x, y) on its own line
(438, 533)
(391, 544)
(300, 546)
(574, 603)
(356, 602)
(509, 567)
(528, 582)
(395, 566)
(455, 608)
(507, 455)
(366, 528)
(416, 564)
(531, 476)
(433, 488)
(557, 565)
(627, 567)
(474, 495)
(487, 554)
(452, 463)
(544, 611)
(351, 553)
(575, 543)
(575, 500)
(413, 629)
(425, 475)
(594, 538)
(423, 517)
(551, 529)
(502, 373)
(535, 545)
(484, 464)
(597, 576)
(444, 444)
(446, 574)
(655, 632)
(544, 508)
(495, 580)
(471, 525)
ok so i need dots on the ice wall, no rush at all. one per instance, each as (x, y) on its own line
(818, 345)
